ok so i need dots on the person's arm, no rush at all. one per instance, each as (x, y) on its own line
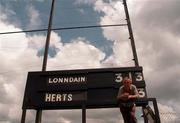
(133, 96)
(121, 95)
(136, 94)
(124, 97)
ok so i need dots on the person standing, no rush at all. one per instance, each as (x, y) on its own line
(126, 98)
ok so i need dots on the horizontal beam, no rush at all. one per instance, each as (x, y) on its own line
(64, 28)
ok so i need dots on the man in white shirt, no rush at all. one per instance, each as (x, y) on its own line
(126, 97)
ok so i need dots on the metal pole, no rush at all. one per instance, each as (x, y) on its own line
(48, 37)
(145, 118)
(23, 118)
(131, 34)
(156, 110)
(83, 113)
(38, 116)
(39, 112)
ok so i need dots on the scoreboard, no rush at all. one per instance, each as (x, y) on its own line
(69, 89)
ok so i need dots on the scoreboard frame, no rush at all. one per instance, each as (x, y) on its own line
(69, 89)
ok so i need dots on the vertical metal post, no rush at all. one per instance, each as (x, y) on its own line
(145, 118)
(23, 118)
(83, 113)
(156, 110)
(39, 112)
(131, 34)
(38, 116)
(48, 37)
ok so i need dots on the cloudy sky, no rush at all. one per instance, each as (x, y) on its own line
(156, 27)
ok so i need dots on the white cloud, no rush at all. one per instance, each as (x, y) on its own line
(5, 13)
(58, 120)
(38, 41)
(4, 115)
(114, 14)
(16, 60)
(12, 45)
(12, 48)
(34, 17)
(75, 55)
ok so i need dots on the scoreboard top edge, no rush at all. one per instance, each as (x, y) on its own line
(94, 70)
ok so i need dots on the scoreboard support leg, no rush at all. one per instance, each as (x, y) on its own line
(84, 113)
(38, 116)
(150, 115)
(23, 118)
(145, 118)
(156, 110)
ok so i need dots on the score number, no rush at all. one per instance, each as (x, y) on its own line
(141, 92)
(119, 76)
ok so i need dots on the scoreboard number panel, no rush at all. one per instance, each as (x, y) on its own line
(120, 76)
(142, 93)
(138, 76)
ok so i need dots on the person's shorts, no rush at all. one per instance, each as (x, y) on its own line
(127, 104)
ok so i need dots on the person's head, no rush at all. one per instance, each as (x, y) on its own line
(127, 82)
